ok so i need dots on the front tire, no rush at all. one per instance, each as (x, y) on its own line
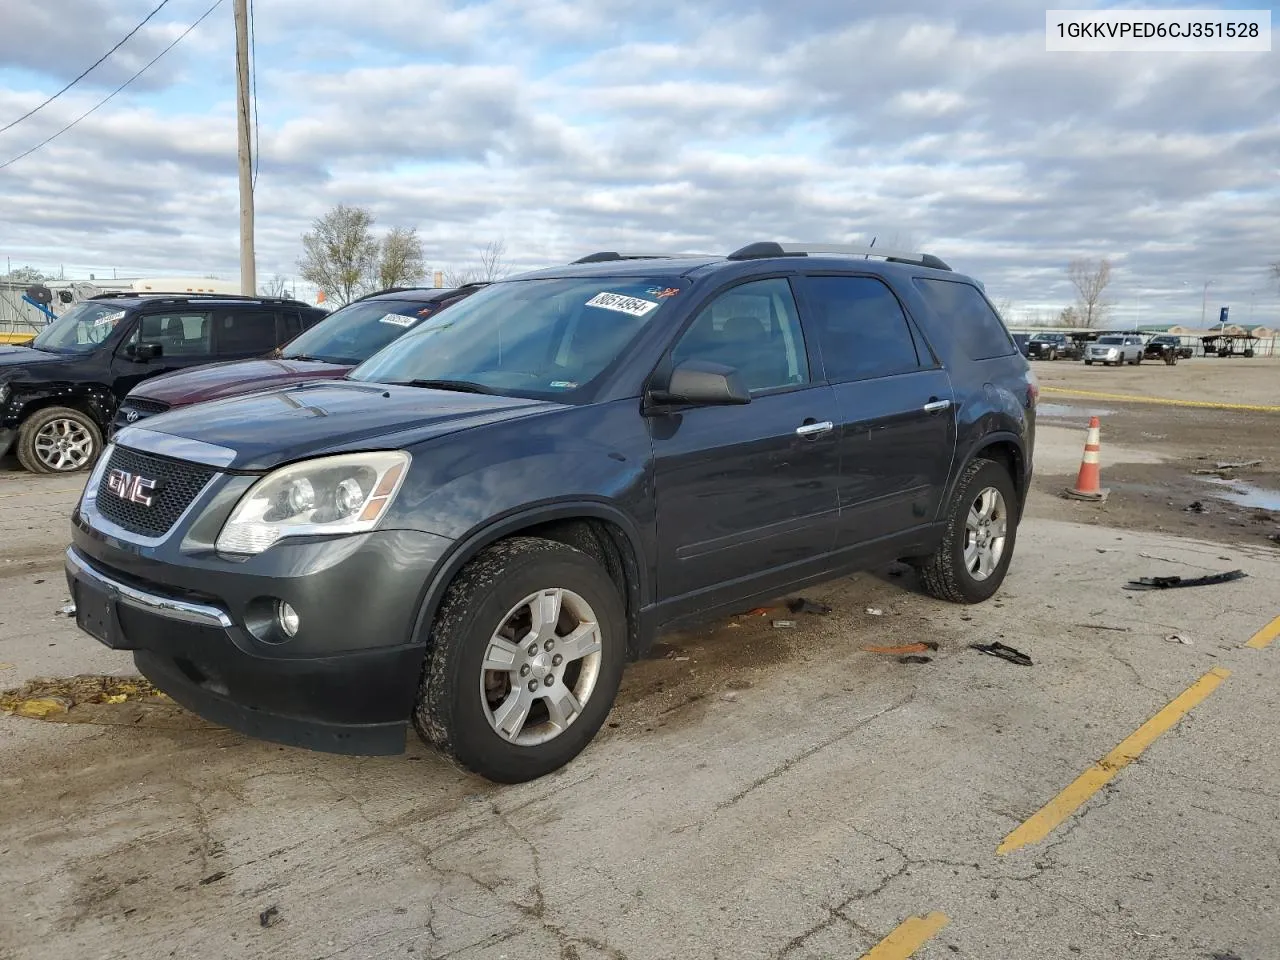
(58, 440)
(523, 661)
(971, 562)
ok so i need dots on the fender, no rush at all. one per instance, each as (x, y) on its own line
(1021, 483)
(466, 548)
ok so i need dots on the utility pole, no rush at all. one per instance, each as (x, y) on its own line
(248, 268)
(1204, 302)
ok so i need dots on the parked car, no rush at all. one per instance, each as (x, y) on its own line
(345, 338)
(1051, 346)
(1114, 349)
(477, 527)
(1157, 347)
(58, 395)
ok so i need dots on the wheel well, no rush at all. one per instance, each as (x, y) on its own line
(1010, 457)
(608, 545)
(79, 404)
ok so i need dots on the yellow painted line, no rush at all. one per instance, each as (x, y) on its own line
(1049, 817)
(1136, 398)
(1262, 639)
(908, 937)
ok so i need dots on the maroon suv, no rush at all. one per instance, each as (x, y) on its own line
(329, 349)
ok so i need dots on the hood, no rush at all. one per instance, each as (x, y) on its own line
(271, 428)
(217, 381)
(25, 357)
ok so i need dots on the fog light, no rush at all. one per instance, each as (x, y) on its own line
(287, 619)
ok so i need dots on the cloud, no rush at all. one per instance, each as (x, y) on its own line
(568, 126)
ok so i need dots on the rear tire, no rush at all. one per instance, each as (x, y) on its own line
(948, 574)
(58, 440)
(487, 615)
(1088, 363)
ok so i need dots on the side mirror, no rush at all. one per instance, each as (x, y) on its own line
(701, 383)
(142, 352)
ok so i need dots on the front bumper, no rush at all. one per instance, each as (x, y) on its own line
(200, 629)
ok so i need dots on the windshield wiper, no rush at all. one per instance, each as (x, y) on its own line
(461, 386)
(305, 356)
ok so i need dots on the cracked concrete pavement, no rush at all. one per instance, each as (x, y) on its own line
(780, 793)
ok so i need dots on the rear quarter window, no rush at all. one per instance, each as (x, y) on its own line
(967, 318)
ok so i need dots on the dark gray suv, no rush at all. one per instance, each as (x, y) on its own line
(477, 527)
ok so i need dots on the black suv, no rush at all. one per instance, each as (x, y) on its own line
(477, 527)
(1051, 346)
(59, 393)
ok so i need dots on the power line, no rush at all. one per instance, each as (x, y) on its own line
(104, 100)
(95, 65)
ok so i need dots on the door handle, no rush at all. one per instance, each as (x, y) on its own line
(936, 406)
(814, 429)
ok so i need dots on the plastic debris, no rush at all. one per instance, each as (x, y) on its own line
(804, 605)
(920, 647)
(269, 916)
(758, 612)
(68, 611)
(783, 624)
(1196, 507)
(1236, 464)
(875, 611)
(213, 878)
(915, 659)
(1177, 638)
(1170, 583)
(681, 659)
(997, 649)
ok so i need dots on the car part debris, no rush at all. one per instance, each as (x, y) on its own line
(998, 649)
(1177, 638)
(1170, 583)
(68, 611)
(783, 624)
(1196, 507)
(804, 605)
(875, 611)
(1100, 626)
(920, 647)
(758, 612)
(1236, 464)
(915, 659)
(269, 916)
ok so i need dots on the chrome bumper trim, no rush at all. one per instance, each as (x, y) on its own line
(197, 613)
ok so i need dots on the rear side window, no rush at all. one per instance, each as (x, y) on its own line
(861, 328)
(968, 318)
(246, 332)
(179, 334)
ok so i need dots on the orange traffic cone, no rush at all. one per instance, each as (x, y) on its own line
(1089, 480)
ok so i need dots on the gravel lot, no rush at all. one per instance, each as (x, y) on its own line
(758, 792)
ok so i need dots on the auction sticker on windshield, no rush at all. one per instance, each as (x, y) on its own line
(616, 301)
(397, 320)
(111, 318)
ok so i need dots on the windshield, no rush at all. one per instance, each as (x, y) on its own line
(81, 328)
(356, 332)
(1053, 338)
(538, 338)
(1111, 339)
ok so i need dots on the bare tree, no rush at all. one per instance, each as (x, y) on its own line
(26, 275)
(400, 259)
(277, 286)
(1090, 279)
(1005, 309)
(492, 266)
(1069, 317)
(340, 253)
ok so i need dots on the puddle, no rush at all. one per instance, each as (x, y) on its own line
(1062, 411)
(1245, 494)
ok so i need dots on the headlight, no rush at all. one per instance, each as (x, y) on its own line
(342, 494)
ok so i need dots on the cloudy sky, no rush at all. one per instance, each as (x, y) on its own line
(566, 126)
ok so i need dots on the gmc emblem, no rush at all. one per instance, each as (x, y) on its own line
(131, 487)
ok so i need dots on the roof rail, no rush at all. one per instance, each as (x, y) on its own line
(606, 255)
(768, 248)
(179, 295)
